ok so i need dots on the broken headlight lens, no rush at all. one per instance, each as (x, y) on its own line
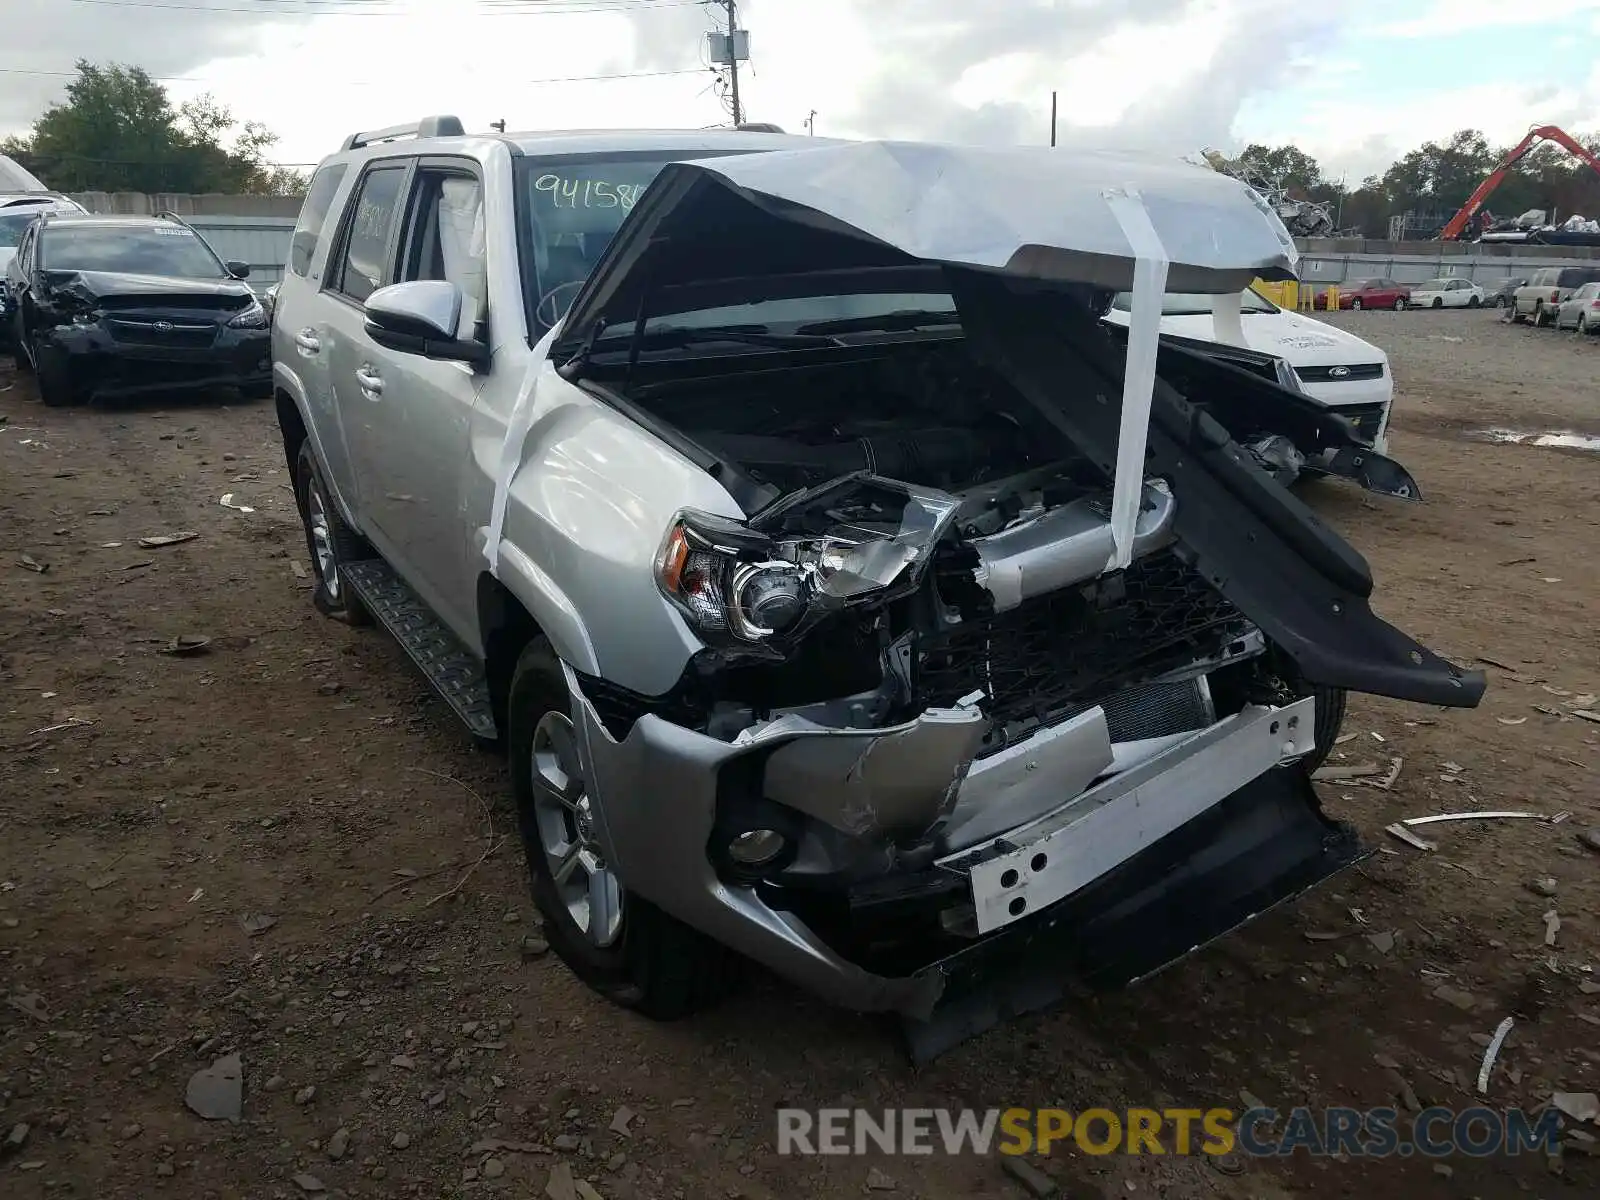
(847, 542)
(724, 579)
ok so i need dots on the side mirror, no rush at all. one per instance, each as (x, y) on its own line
(421, 317)
(239, 270)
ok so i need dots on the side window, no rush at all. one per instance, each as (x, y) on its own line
(446, 240)
(363, 262)
(313, 216)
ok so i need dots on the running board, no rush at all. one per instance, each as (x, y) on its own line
(448, 665)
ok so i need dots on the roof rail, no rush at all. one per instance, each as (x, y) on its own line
(759, 127)
(441, 126)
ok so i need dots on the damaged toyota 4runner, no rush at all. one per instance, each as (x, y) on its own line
(846, 595)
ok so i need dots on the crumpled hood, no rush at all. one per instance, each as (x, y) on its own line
(1303, 341)
(1029, 213)
(104, 284)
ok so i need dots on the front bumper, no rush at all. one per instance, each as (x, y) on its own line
(1200, 813)
(102, 366)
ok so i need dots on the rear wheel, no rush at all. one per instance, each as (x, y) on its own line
(1399, 303)
(617, 942)
(1473, 302)
(1356, 304)
(330, 542)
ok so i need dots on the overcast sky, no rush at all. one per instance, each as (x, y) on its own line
(1354, 82)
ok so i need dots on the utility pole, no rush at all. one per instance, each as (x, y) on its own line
(1052, 119)
(499, 125)
(811, 123)
(733, 60)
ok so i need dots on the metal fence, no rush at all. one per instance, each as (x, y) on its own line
(263, 242)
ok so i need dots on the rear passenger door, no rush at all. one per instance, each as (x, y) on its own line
(419, 419)
(361, 262)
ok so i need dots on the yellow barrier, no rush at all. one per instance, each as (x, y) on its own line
(1295, 296)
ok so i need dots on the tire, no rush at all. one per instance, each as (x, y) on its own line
(642, 959)
(56, 386)
(1355, 304)
(329, 541)
(1542, 316)
(1399, 303)
(1474, 302)
(1330, 719)
(1438, 302)
(1583, 324)
(1517, 317)
(1499, 301)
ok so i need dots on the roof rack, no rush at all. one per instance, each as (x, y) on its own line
(759, 127)
(441, 126)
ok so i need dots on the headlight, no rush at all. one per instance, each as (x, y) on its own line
(253, 317)
(836, 546)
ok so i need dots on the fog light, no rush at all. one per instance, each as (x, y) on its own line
(754, 847)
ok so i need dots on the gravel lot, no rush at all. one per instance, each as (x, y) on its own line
(270, 849)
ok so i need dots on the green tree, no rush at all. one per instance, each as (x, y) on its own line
(117, 130)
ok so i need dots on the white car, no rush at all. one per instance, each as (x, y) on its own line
(1331, 365)
(1448, 293)
(17, 211)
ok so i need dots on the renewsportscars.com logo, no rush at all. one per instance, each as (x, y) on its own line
(1257, 1132)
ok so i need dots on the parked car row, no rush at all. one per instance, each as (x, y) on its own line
(1560, 297)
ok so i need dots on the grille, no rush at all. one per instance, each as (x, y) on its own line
(618, 708)
(1350, 374)
(1054, 654)
(185, 336)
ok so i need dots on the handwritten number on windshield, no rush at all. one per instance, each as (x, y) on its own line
(588, 193)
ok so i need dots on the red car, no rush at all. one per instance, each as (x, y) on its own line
(1370, 293)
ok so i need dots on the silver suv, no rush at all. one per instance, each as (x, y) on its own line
(846, 597)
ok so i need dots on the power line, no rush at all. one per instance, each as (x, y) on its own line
(505, 8)
(381, 82)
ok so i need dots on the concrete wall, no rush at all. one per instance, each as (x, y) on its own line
(1330, 260)
(185, 205)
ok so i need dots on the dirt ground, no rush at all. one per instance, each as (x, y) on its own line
(159, 812)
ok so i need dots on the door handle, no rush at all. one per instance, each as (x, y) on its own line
(371, 382)
(307, 340)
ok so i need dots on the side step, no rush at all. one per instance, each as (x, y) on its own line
(452, 670)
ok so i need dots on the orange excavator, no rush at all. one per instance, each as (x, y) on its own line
(1460, 222)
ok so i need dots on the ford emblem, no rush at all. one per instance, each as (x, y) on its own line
(166, 327)
(1333, 373)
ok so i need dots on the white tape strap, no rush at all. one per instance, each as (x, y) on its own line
(1227, 325)
(511, 446)
(1139, 374)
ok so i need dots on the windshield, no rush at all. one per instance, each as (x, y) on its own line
(1433, 285)
(1197, 304)
(574, 207)
(128, 250)
(14, 224)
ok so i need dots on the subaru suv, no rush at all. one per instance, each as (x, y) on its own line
(846, 596)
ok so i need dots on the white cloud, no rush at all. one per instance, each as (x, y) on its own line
(1446, 17)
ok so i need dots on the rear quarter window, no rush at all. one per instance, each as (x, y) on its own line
(314, 216)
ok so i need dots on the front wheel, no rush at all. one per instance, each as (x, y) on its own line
(57, 387)
(1438, 302)
(330, 542)
(617, 942)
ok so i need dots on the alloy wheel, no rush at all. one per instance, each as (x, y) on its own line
(317, 520)
(589, 889)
